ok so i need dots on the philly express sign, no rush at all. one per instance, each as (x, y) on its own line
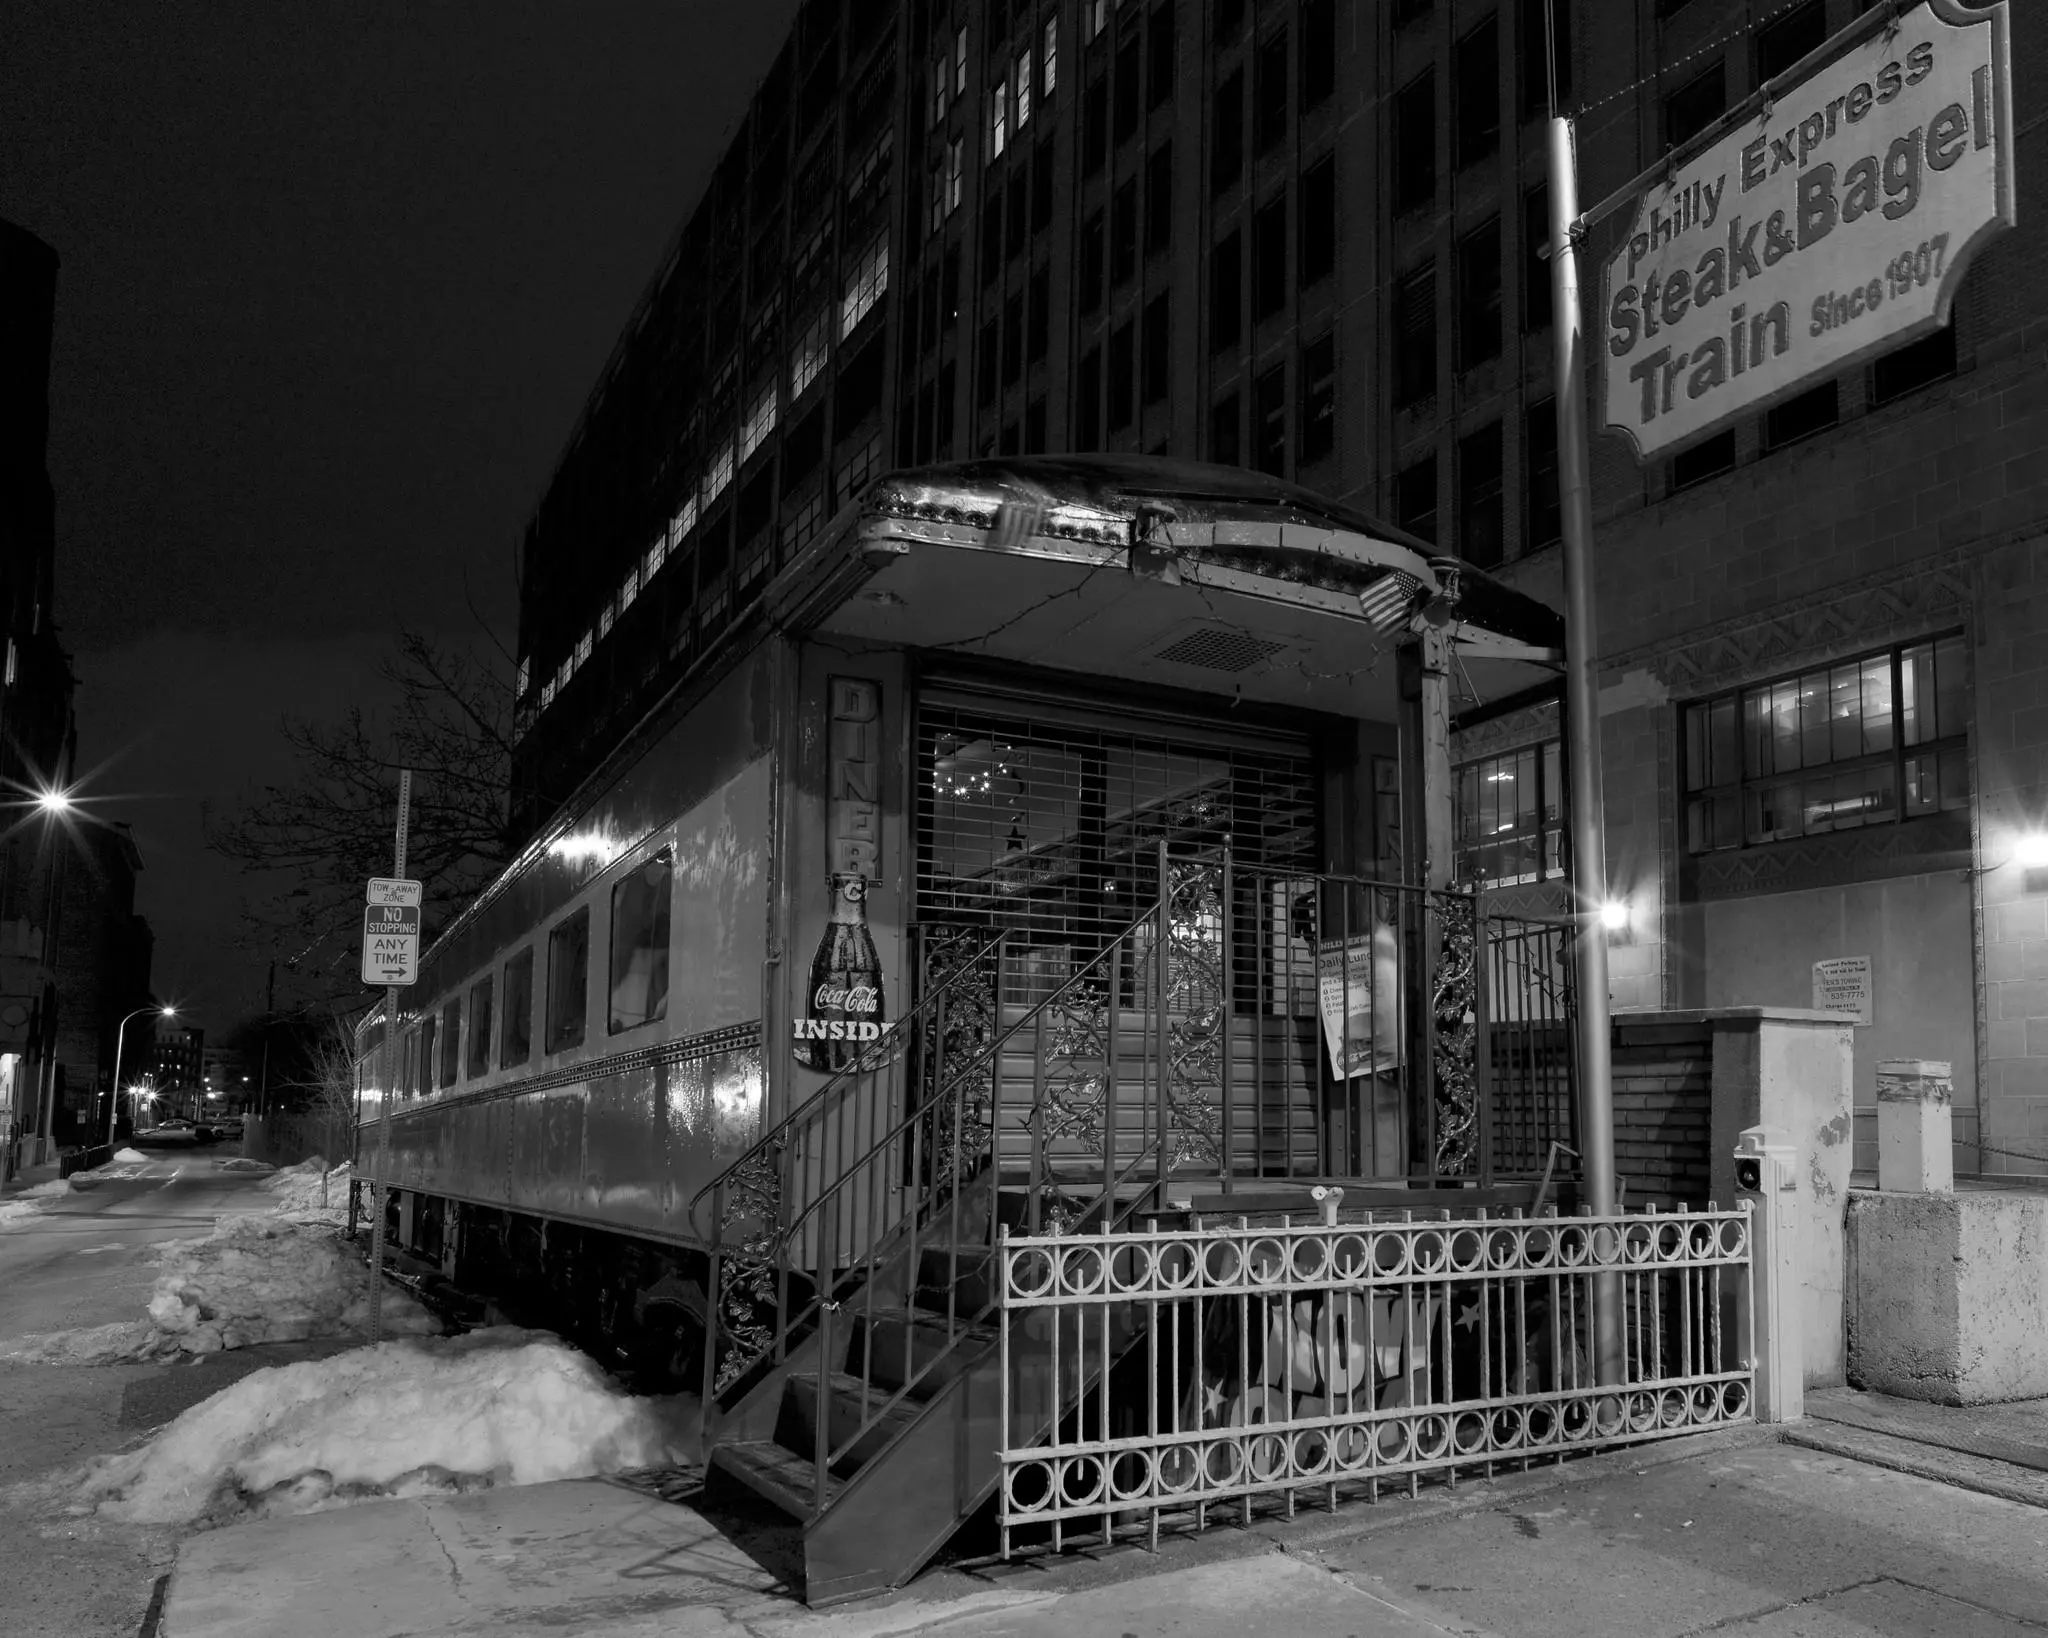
(1833, 225)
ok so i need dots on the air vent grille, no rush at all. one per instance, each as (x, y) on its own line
(1219, 648)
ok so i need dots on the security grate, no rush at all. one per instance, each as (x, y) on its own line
(1049, 821)
(1218, 648)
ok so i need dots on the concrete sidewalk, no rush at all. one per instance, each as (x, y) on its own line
(1741, 1534)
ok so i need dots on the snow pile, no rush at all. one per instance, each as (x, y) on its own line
(501, 1406)
(241, 1163)
(27, 1202)
(117, 1344)
(257, 1278)
(298, 1190)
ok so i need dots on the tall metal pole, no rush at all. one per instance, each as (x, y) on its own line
(1582, 734)
(390, 1092)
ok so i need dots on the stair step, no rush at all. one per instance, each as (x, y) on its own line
(903, 1343)
(1953, 1467)
(776, 1474)
(961, 1285)
(848, 1405)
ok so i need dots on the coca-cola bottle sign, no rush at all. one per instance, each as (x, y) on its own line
(846, 1011)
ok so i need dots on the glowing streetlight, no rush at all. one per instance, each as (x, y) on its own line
(114, 1103)
(55, 801)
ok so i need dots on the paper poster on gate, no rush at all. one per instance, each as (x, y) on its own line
(1359, 991)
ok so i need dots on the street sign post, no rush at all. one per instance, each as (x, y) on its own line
(391, 957)
(391, 943)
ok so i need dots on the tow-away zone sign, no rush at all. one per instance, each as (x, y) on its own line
(391, 943)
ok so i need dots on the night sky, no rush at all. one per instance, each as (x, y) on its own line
(336, 280)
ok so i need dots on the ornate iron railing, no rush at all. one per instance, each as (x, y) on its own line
(1333, 1357)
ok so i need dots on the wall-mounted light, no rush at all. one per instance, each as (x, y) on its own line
(1614, 915)
(2030, 850)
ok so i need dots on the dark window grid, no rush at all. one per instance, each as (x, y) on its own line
(1415, 337)
(1475, 131)
(1415, 143)
(1799, 417)
(1316, 423)
(1482, 539)
(1316, 254)
(1269, 421)
(1318, 52)
(1156, 350)
(1269, 91)
(1478, 268)
(1750, 780)
(1159, 200)
(1708, 458)
(1269, 258)
(1121, 363)
(1509, 819)
(1695, 105)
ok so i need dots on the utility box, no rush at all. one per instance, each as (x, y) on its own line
(1767, 1183)
(1915, 1126)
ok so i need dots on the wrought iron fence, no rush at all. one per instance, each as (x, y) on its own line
(1178, 1371)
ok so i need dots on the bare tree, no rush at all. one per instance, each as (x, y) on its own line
(331, 828)
(326, 1088)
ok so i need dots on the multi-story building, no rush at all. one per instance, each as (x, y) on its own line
(37, 738)
(103, 955)
(1307, 238)
(179, 1060)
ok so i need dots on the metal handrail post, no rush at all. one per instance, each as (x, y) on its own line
(1162, 1039)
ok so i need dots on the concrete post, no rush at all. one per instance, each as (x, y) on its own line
(1767, 1186)
(1915, 1116)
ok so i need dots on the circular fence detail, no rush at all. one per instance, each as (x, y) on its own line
(1267, 1261)
(1031, 1273)
(1222, 1263)
(1082, 1270)
(1079, 1480)
(1027, 1487)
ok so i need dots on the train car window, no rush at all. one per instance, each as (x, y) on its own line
(480, 1026)
(639, 969)
(568, 981)
(427, 1055)
(518, 1042)
(451, 1043)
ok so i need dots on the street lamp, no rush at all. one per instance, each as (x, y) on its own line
(114, 1102)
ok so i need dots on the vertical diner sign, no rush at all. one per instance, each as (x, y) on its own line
(843, 1009)
(1833, 224)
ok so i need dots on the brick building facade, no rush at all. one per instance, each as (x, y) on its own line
(1302, 235)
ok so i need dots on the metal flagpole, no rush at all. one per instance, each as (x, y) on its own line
(1582, 736)
(390, 1093)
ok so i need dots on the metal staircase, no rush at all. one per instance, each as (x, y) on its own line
(854, 1372)
(852, 1378)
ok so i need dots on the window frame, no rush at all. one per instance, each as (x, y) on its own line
(476, 1054)
(556, 1036)
(1550, 831)
(665, 919)
(1935, 745)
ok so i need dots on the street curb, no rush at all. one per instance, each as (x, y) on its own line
(1951, 1467)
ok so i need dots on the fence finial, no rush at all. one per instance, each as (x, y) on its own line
(1329, 1197)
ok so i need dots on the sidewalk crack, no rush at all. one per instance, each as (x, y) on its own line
(1742, 1617)
(454, 1570)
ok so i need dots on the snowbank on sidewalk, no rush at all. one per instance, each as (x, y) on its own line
(242, 1163)
(27, 1202)
(298, 1190)
(257, 1278)
(501, 1406)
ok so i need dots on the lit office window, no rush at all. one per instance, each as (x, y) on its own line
(1509, 823)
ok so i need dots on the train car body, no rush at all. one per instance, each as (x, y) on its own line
(986, 696)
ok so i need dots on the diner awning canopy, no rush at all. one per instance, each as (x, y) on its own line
(1174, 573)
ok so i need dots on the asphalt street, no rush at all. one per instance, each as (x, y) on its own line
(83, 1260)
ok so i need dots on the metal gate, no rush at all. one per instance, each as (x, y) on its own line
(1179, 1371)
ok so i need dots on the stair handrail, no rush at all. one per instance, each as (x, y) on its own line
(813, 1108)
(822, 1301)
